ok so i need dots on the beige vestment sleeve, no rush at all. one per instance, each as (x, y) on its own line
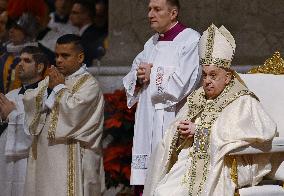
(80, 114)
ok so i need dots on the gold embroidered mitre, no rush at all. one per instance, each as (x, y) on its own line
(217, 47)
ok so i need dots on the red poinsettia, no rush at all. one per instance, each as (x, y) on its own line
(119, 124)
(112, 123)
(117, 161)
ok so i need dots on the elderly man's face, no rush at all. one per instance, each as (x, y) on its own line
(161, 15)
(214, 80)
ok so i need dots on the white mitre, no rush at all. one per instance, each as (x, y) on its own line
(217, 47)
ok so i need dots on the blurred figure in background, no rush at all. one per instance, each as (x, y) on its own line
(3, 6)
(3, 21)
(3, 31)
(59, 19)
(55, 25)
(82, 16)
(22, 33)
(101, 19)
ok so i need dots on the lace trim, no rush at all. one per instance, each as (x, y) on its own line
(159, 80)
(139, 161)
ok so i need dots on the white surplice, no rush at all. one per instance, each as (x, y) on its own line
(66, 155)
(14, 148)
(241, 123)
(175, 73)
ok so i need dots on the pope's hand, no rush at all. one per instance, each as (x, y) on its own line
(186, 128)
(55, 77)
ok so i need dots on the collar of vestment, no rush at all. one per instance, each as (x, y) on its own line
(29, 86)
(80, 71)
(172, 33)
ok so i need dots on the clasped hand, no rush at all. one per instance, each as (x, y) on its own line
(55, 77)
(6, 106)
(143, 73)
(186, 128)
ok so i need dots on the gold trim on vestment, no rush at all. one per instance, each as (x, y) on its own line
(210, 43)
(54, 116)
(35, 121)
(80, 82)
(55, 110)
(209, 59)
(71, 169)
(216, 62)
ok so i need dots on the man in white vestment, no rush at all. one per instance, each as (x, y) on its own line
(219, 117)
(162, 75)
(14, 142)
(65, 117)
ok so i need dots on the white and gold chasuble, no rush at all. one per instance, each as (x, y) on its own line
(198, 167)
(65, 158)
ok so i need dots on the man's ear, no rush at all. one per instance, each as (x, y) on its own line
(81, 57)
(174, 13)
(40, 68)
(229, 76)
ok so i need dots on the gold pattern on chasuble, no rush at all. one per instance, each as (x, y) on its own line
(54, 115)
(199, 156)
(35, 122)
(273, 65)
(38, 105)
(71, 169)
(55, 111)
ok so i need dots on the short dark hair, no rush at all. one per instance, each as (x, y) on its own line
(71, 39)
(38, 55)
(174, 3)
(88, 6)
